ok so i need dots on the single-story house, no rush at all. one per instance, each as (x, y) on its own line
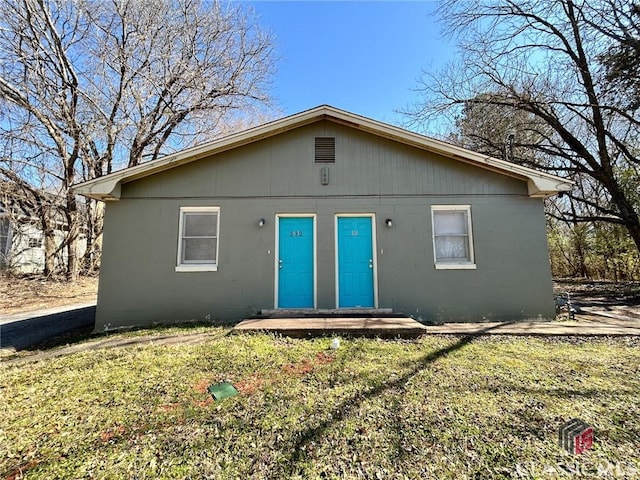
(22, 237)
(21, 244)
(324, 209)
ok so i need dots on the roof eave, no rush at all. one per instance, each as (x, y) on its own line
(109, 187)
(106, 188)
(542, 188)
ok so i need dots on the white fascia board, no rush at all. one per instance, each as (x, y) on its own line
(103, 188)
(108, 187)
(542, 187)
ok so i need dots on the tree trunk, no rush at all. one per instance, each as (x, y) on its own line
(71, 213)
(72, 259)
(626, 207)
(94, 219)
(87, 258)
(579, 234)
(49, 249)
(578, 240)
(634, 231)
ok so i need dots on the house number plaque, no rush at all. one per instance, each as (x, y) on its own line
(295, 233)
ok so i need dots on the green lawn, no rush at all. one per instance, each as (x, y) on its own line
(439, 407)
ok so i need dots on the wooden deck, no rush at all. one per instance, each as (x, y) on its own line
(321, 323)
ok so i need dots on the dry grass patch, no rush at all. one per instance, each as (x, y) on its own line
(25, 293)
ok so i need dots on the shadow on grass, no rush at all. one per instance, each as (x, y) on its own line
(82, 334)
(351, 404)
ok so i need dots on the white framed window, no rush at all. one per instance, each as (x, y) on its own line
(198, 239)
(452, 237)
(35, 242)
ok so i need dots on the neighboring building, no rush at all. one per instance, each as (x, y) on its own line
(6, 235)
(21, 236)
(21, 242)
(324, 209)
(21, 248)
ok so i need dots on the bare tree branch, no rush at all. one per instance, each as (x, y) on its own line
(91, 86)
(540, 63)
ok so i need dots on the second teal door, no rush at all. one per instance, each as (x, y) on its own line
(295, 262)
(355, 262)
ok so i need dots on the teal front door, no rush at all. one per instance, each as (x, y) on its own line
(355, 262)
(295, 262)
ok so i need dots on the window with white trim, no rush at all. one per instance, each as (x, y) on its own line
(198, 239)
(452, 237)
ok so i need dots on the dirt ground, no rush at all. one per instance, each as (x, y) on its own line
(600, 291)
(25, 293)
(612, 299)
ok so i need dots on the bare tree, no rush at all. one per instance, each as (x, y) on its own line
(622, 58)
(544, 59)
(489, 124)
(89, 86)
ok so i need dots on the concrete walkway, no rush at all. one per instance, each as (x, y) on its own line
(407, 328)
(582, 326)
(595, 322)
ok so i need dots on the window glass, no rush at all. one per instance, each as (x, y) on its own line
(447, 223)
(200, 224)
(35, 242)
(198, 242)
(452, 243)
(199, 250)
(452, 248)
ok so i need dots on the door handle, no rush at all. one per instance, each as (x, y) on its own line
(279, 263)
(370, 263)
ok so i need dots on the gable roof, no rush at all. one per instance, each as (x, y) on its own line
(108, 187)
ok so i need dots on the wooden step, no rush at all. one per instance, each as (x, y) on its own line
(389, 327)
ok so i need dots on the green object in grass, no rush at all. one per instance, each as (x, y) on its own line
(222, 390)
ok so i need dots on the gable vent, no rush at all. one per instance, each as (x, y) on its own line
(325, 150)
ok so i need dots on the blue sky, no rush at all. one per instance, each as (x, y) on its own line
(361, 56)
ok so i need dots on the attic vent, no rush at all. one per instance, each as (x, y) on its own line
(325, 150)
